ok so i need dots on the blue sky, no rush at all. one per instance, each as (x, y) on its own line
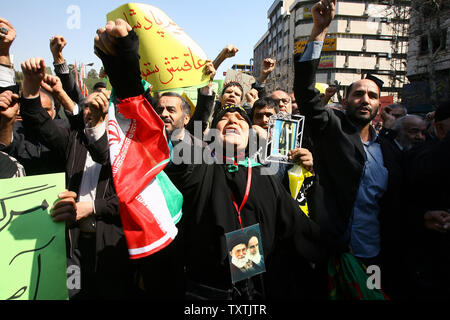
(212, 24)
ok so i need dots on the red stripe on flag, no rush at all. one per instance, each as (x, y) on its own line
(141, 228)
(147, 148)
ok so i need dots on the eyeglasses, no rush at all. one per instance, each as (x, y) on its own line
(284, 101)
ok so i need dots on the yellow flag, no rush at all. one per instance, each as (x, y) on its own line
(169, 57)
(300, 180)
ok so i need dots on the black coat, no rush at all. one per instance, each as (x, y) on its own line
(35, 157)
(428, 167)
(208, 213)
(111, 254)
(339, 159)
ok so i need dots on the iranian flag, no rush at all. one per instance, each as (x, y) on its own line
(149, 204)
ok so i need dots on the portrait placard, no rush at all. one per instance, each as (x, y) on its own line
(245, 253)
(285, 133)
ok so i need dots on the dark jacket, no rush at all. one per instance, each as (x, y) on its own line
(428, 167)
(72, 146)
(339, 160)
(33, 155)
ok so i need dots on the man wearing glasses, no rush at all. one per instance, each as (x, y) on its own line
(283, 100)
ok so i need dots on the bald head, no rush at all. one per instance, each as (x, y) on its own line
(48, 103)
(411, 130)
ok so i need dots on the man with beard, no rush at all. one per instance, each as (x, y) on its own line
(411, 131)
(240, 265)
(175, 112)
(253, 253)
(358, 191)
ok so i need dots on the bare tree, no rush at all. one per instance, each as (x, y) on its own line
(429, 16)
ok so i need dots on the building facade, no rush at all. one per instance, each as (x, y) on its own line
(364, 37)
(428, 56)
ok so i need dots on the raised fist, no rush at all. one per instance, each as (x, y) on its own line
(210, 70)
(33, 72)
(52, 84)
(7, 37)
(57, 44)
(96, 107)
(106, 38)
(230, 51)
(9, 106)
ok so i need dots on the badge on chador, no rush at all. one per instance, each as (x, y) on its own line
(245, 253)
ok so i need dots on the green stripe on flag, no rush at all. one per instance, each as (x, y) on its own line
(173, 197)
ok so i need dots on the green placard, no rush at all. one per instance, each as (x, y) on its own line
(32, 246)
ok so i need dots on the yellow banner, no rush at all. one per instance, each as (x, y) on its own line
(329, 44)
(169, 57)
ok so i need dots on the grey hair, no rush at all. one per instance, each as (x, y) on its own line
(400, 122)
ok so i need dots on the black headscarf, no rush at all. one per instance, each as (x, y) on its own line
(230, 108)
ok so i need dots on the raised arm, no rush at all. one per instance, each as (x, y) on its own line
(205, 100)
(57, 44)
(228, 52)
(9, 108)
(306, 66)
(35, 118)
(117, 46)
(7, 36)
(53, 85)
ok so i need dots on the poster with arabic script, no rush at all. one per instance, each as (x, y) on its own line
(33, 247)
(169, 57)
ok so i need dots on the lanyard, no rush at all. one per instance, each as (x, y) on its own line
(247, 193)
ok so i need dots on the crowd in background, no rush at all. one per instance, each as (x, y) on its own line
(367, 197)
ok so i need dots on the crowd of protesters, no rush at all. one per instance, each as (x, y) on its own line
(368, 197)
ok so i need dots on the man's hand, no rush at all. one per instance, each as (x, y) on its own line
(210, 70)
(57, 44)
(33, 72)
(329, 93)
(268, 66)
(303, 157)
(9, 106)
(6, 39)
(388, 119)
(260, 131)
(96, 108)
(437, 221)
(228, 52)
(9, 109)
(106, 38)
(251, 96)
(53, 85)
(84, 209)
(323, 13)
(65, 209)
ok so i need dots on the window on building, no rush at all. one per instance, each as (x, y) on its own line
(438, 37)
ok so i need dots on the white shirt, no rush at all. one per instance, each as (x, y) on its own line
(89, 181)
